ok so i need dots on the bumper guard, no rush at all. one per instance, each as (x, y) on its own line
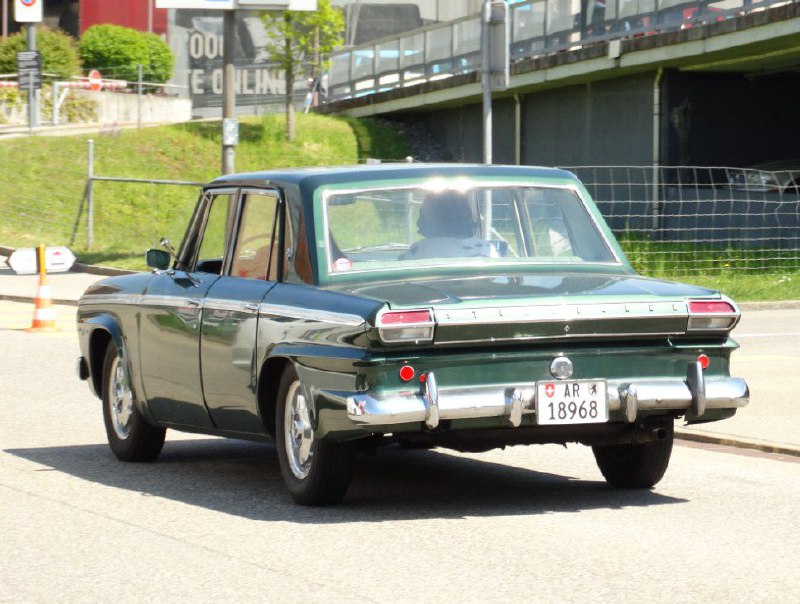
(433, 404)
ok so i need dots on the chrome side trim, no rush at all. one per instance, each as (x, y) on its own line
(133, 299)
(630, 397)
(309, 314)
(227, 305)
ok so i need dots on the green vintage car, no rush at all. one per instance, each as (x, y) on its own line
(335, 310)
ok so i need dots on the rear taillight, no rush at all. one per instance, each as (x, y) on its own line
(712, 315)
(405, 326)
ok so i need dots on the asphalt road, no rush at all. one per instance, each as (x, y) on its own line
(211, 521)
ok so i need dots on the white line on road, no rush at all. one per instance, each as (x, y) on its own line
(765, 335)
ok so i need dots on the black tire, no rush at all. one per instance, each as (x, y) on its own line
(321, 475)
(635, 466)
(130, 437)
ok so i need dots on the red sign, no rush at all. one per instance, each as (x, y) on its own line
(95, 80)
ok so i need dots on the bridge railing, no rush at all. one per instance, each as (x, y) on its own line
(538, 27)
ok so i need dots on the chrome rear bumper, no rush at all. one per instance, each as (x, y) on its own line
(695, 394)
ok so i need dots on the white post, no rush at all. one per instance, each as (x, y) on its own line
(140, 75)
(55, 103)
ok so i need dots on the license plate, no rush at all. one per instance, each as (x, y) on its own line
(571, 402)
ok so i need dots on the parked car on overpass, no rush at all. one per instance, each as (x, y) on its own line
(769, 177)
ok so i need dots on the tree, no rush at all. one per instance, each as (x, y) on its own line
(118, 51)
(59, 52)
(297, 42)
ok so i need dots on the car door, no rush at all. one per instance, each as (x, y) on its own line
(171, 312)
(229, 362)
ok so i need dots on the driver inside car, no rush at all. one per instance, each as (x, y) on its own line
(450, 229)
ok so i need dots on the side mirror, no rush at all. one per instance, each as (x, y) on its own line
(158, 259)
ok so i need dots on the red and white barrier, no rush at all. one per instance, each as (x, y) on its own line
(86, 85)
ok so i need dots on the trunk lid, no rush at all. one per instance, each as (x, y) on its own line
(495, 309)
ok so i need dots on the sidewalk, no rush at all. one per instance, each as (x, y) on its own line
(770, 423)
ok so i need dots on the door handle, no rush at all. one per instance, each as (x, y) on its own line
(194, 302)
(251, 307)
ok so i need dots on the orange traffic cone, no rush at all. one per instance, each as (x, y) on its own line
(44, 315)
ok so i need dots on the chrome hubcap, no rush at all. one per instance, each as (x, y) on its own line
(298, 433)
(120, 399)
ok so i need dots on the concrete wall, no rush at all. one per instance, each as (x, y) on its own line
(601, 123)
(121, 108)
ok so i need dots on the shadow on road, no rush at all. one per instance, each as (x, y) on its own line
(243, 479)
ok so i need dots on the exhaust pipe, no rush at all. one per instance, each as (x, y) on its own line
(659, 433)
(648, 434)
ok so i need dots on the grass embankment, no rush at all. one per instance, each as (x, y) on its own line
(44, 178)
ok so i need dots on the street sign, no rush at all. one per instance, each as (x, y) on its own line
(304, 5)
(230, 131)
(28, 11)
(29, 69)
(56, 260)
(95, 80)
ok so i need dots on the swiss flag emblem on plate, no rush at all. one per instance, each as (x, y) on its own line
(549, 390)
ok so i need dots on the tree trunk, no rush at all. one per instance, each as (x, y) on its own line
(289, 74)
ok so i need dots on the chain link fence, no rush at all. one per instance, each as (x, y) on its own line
(700, 220)
(671, 221)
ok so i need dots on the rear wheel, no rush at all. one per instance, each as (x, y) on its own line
(316, 472)
(635, 466)
(130, 437)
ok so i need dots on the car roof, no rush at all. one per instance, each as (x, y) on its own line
(315, 176)
(777, 165)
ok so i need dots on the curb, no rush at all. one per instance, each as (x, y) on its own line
(737, 442)
(107, 271)
(777, 305)
(30, 300)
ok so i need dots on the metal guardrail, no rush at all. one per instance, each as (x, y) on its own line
(538, 27)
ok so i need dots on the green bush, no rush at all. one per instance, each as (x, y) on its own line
(117, 51)
(59, 52)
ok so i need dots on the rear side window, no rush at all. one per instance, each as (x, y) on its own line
(255, 255)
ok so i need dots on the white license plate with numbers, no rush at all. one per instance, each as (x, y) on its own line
(571, 402)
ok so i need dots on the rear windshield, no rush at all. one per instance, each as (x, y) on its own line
(380, 229)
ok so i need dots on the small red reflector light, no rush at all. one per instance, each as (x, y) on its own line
(407, 373)
(408, 317)
(710, 307)
(704, 361)
(422, 378)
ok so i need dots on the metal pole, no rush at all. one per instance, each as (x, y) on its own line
(55, 103)
(90, 197)
(150, 16)
(33, 93)
(486, 83)
(228, 85)
(656, 147)
(140, 75)
(5, 18)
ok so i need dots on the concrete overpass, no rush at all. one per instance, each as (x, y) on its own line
(719, 93)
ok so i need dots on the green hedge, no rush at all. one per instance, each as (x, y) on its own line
(59, 52)
(117, 51)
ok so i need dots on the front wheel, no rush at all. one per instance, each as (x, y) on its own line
(315, 472)
(130, 437)
(635, 466)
